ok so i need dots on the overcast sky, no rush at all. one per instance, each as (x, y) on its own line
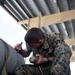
(10, 31)
(13, 33)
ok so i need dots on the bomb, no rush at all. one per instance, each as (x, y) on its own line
(33, 59)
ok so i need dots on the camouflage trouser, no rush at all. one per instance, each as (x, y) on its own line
(33, 70)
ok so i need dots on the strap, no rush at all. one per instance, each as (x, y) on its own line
(4, 70)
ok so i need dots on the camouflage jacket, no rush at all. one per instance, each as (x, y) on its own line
(55, 46)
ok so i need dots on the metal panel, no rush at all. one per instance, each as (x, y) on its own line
(54, 9)
(63, 6)
(71, 4)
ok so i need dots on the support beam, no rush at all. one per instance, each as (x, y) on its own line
(33, 23)
(50, 19)
(23, 22)
(70, 41)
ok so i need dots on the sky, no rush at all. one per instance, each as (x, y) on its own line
(10, 30)
(13, 33)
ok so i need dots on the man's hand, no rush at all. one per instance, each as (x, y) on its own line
(18, 47)
(41, 59)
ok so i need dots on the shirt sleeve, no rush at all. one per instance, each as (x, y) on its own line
(62, 54)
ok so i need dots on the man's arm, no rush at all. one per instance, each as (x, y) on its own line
(24, 53)
(61, 64)
(19, 49)
(62, 54)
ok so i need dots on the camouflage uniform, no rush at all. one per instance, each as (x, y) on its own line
(54, 46)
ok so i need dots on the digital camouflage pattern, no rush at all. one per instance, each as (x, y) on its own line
(33, 70)
(54, 46)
